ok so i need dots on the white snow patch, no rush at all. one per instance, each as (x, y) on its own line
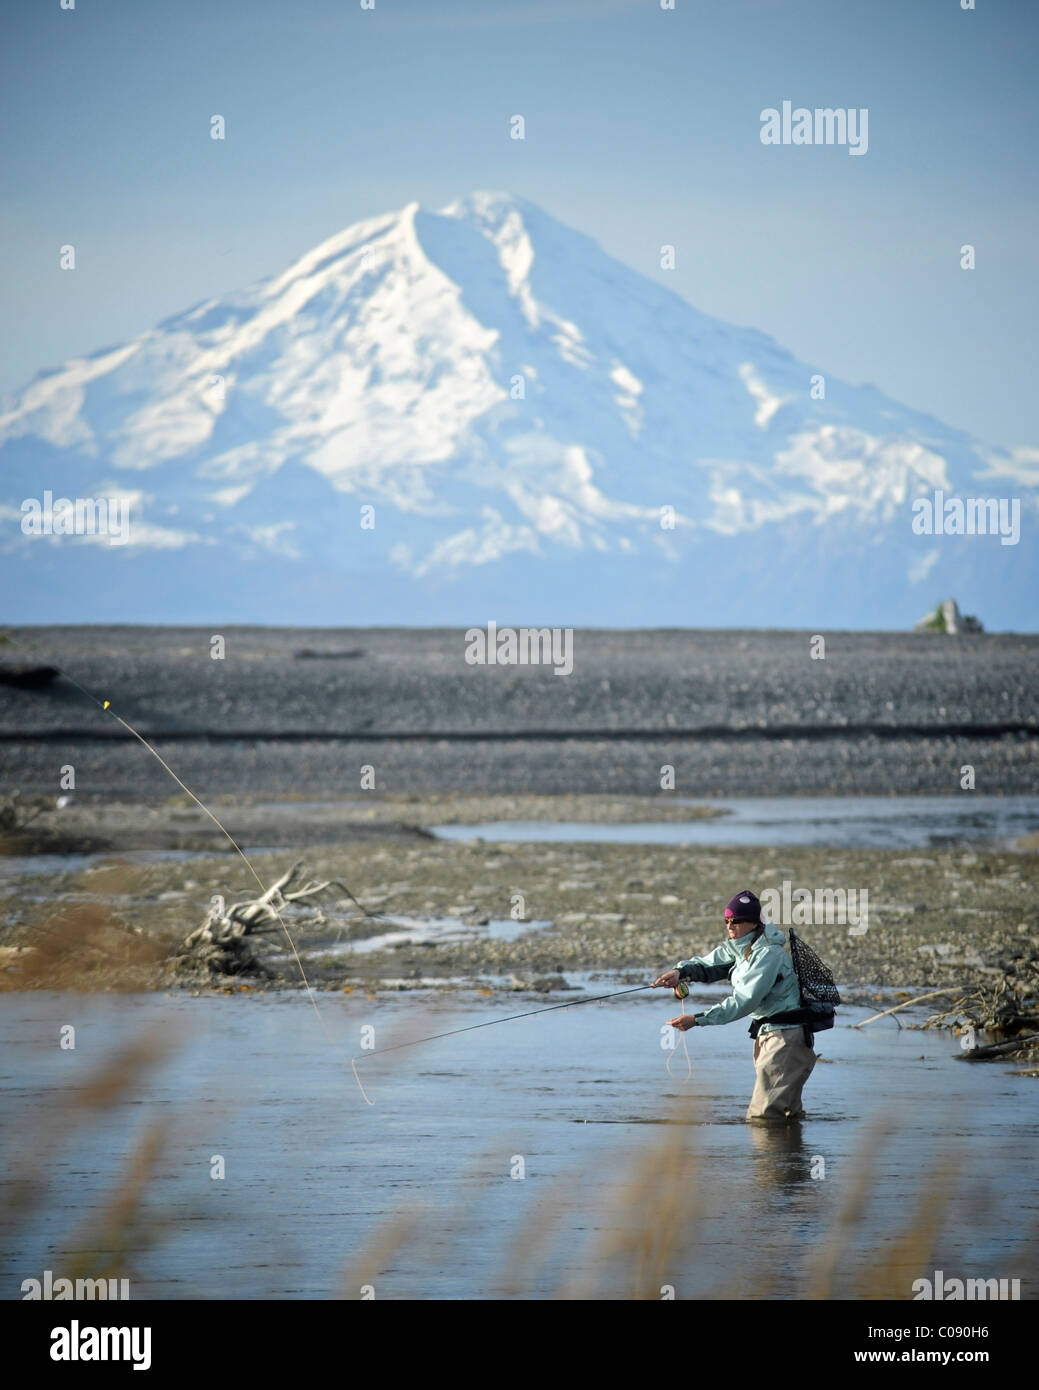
(627, 381)
(230, 496)
(1020, 464)
(627, 398)
(768, 403)
(849, 467)
(479, 545)
(269, 538)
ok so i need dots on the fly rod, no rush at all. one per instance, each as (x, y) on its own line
(490, 1023)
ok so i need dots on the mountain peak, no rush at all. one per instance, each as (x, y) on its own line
(523, 413)
(491, 205)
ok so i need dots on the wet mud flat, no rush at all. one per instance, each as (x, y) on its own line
(477, 914)
(92, 824)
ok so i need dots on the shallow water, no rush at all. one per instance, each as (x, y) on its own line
(15, 865)
(864, 822)
(312, 1173)
(415, 931)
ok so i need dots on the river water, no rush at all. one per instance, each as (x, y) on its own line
(862, 822)
(313, 1174)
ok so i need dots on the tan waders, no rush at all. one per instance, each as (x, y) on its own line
(784, 1062)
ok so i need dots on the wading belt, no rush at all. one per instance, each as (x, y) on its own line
(805, 1016)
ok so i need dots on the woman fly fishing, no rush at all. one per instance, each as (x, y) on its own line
(764, 985)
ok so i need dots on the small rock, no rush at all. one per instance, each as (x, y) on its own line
(546, 984)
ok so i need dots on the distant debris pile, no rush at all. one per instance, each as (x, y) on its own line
(16, 814)
(28, 677)
(946, 617)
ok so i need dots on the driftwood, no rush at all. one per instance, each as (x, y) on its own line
(1007, 1005)
(983, 1054)
(908, 1004)
(1007, 1010)
(222, 941)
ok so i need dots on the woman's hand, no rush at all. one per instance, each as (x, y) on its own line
(682, 1022)
(668, 980)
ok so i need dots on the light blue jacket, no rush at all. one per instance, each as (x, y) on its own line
(762, 978)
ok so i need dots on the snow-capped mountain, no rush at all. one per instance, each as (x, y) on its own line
(539, 433)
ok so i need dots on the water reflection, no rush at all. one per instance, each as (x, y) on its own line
(782, 1157)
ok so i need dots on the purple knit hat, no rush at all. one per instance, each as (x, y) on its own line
(744, 907)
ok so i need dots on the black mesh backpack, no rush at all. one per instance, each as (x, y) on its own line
(819, 994)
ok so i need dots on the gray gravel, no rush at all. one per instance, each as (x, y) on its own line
(735, 713)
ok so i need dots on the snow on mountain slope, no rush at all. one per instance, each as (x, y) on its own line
(518, 407)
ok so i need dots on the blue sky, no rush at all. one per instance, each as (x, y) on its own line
(642, 128)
